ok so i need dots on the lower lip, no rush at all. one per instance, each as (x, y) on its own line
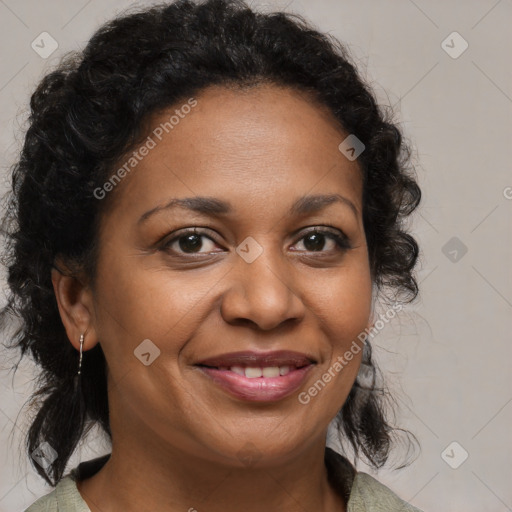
(258, 389)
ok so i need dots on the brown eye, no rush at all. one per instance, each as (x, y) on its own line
(317, 240)
(190, 242)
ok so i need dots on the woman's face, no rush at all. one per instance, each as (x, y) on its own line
(252, 277)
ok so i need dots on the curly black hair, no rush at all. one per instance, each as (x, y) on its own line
(94, 107)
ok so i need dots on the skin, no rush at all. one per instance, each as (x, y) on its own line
(176, 435)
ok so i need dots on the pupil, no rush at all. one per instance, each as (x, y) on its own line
(189, 243)
(317, 242)
(193, 242)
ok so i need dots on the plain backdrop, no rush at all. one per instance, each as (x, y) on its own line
(447, 356)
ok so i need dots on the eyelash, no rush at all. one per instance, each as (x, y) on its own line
(342, 242)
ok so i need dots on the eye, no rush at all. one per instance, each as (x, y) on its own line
(316, 240)
(190, 242)
(196, 241)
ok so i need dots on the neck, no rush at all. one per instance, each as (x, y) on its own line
(140, 479)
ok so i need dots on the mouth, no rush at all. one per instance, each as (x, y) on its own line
(254, 372)
(252, 359)
(258, 377)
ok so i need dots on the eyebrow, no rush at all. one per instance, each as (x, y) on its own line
(216, 207)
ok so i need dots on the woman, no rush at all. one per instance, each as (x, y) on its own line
(206, 207)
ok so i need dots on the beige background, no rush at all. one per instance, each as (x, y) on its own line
(447, 356)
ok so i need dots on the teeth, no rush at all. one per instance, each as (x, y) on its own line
(283, 370)
(238, 369)
(252, 372)
(271, 371)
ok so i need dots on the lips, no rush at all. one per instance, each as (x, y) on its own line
(258, 376)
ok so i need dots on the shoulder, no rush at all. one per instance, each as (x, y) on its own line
(369, 495)
(47, 503)
(362, 492)
(64, 498)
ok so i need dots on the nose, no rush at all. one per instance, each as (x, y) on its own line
(261, 293)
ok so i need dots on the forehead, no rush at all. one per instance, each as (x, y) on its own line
(245, 140)
(249, 119)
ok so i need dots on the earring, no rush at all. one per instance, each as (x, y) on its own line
(77, 378)
(80, 360)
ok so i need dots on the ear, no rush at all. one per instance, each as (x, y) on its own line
(75, 302)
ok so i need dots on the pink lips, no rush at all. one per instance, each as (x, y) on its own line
(258, 388)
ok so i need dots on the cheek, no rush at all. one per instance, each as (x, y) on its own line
(344, 302)
(135, 303)
(343, 312)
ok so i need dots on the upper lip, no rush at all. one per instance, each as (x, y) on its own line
(259, 359)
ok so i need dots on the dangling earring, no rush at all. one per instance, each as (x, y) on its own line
(76, 379)
(80, 360)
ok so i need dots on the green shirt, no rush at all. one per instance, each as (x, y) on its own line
(361, 491)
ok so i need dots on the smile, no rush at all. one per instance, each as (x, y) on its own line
(258, 384)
